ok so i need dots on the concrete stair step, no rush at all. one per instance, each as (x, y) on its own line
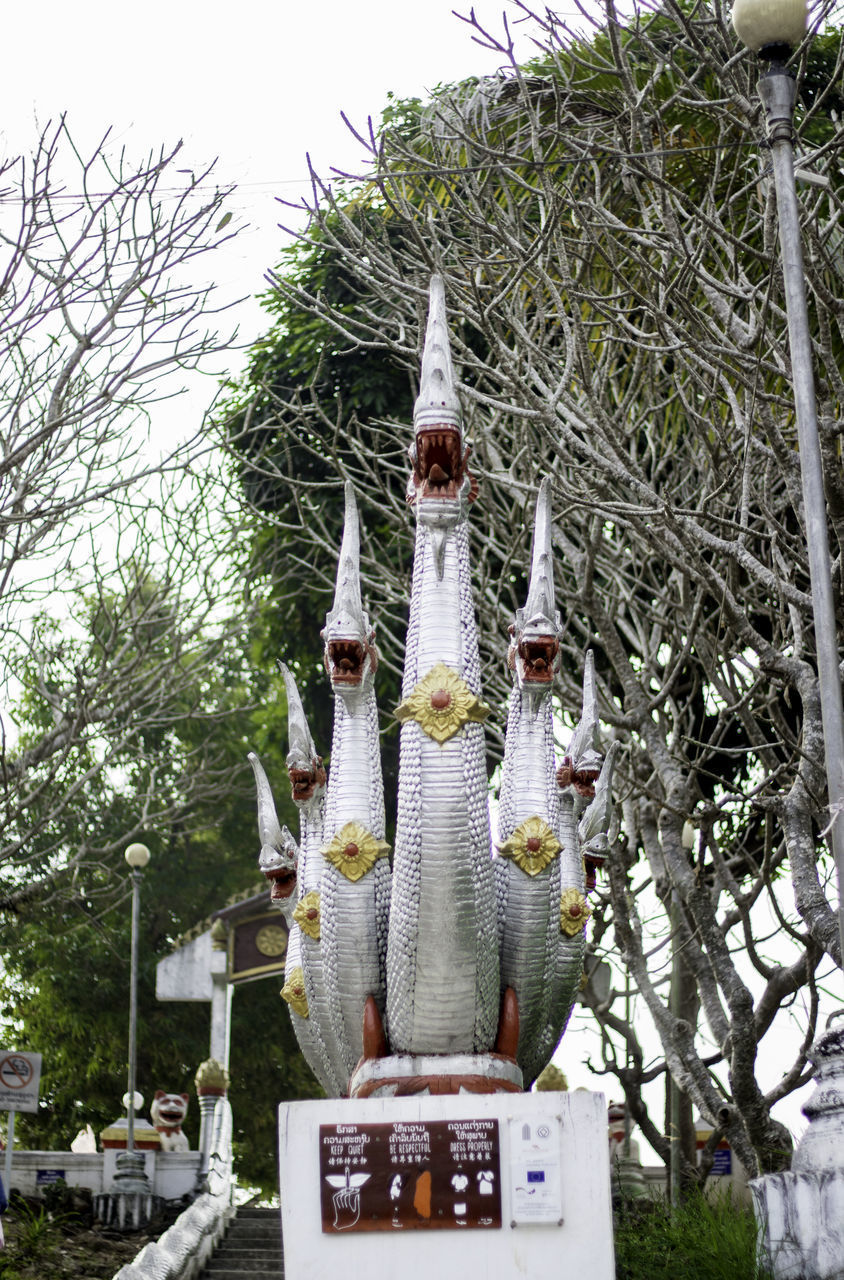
(258, 1224)
(215, 1264)
(268, 1233)
(244, 1240)
(238, 1273)
(272, 1257)
(259, 1260)
(273, 1266)
(239, 1248)
(218, 1267)
(265, 1260)
(266, 1246)
(236, 1250)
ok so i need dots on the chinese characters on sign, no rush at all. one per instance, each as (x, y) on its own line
(442, 1174)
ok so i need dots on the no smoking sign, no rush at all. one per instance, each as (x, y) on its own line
(20, 1074)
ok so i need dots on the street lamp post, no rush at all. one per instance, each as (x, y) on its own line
(798, 1233)
(131, 1183)
(772, 28)
(137, 856)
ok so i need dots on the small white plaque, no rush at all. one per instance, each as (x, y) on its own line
(20, 1074)
(536, 1183)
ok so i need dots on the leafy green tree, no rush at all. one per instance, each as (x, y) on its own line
(66, 946)
(66, 995)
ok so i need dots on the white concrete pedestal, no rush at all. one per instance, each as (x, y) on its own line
(801, 1213)
(551, 1168)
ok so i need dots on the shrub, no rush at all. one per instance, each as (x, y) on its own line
(700, 1240)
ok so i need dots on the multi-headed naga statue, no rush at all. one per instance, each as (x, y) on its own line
(457, 969)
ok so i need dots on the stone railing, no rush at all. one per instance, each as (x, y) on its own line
(172, 1174)
(183, 1251)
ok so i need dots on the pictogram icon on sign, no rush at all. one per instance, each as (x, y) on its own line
(16, 1072)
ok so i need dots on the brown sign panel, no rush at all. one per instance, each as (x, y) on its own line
(258, 947)
(413, 1175)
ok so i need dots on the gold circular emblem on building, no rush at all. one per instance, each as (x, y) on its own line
(271, 940)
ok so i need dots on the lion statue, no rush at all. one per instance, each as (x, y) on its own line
(168, 1110)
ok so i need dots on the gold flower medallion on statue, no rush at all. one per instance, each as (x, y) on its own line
(574, 911)
(532, 846)
(293, 992)
(306, 914)
(442, 703)
(354, 851)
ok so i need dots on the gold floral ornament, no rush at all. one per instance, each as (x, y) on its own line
(211, 1077)
(219, 936)
(442, 703)
(293, 992)
(574, 911)
(532, 846)
(306, 914)
(354, 851)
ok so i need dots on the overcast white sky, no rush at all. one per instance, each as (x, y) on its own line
(254, 84)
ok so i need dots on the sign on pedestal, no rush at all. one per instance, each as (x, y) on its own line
(440, 1174)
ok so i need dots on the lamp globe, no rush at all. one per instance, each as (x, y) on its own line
(137, 856)
(770, 27)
